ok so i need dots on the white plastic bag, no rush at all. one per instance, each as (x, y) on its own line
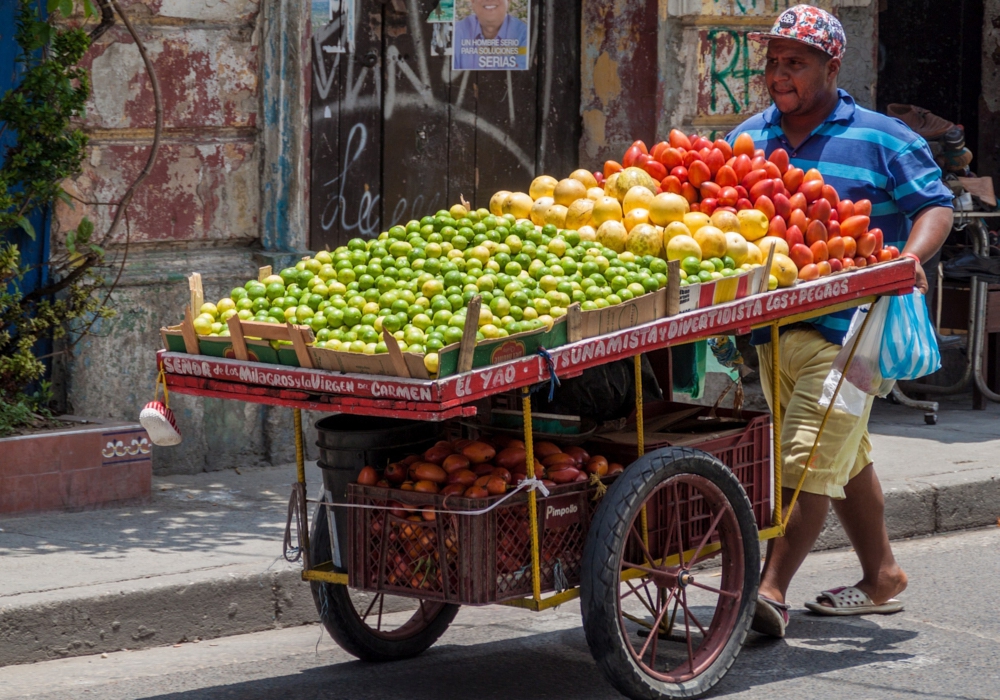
(864, 371)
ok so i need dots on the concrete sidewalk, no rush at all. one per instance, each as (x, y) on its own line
(202, 559)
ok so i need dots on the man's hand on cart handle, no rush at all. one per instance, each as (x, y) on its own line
(930, 229)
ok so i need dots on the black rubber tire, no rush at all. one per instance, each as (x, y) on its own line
(341, 619)
(602, 556)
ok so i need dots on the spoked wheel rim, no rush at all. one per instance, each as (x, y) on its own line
(693, 609)
(373, 617)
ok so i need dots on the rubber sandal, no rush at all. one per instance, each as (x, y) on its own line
(850, 600)
(770, 617)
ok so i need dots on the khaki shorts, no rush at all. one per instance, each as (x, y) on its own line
(844, 450)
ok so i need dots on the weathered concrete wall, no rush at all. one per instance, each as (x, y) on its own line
(706, 75)
(200, 209)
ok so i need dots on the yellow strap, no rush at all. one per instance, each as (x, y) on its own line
(822, 425)
(161, 379)
(776, 421)
(529, 456)
(300, 463)
(640, 440)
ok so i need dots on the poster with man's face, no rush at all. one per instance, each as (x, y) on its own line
(490, 35)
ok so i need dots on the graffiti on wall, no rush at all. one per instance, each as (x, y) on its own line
(730, 73)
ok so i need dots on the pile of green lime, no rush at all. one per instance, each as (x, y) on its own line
(694, 270)
(416, 281)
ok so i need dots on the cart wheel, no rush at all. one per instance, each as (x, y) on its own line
(362, 629)
(930, 418)
(695, 583)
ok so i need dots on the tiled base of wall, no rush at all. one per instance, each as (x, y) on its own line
(75, 469)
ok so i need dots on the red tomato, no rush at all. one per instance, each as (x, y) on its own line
(368, 477)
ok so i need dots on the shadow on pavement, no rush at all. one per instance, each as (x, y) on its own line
(559, 665)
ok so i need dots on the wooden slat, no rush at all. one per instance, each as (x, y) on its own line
(196, 291)
(188, 332)
(468, 343)
(300, 336)
(673, 287)
(236, 335)
(395, 354)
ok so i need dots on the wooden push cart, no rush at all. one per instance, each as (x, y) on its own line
(666, 562)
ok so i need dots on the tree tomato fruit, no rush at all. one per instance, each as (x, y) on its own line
(779, 156)
(757, 162)
(655, 169)
(866, 244)
(715, 160)
(726, 177)
(742, 166)
(854, 226)
(698, 173)
(611, 167)
(820, 251)
(723, 145)
(764, 188)
(678, 139)
(689, 192)
(793, 178)
(872, 259)
(777, 227)
(824, 267)
(894, 250)
(743, 203)
(656, 150)
(772, 170)
(793, 236)
(691, 157)
(836, 247)
(633, 152)
(819, 210)
(728, 197)
(879, 238)
(811, 189)
(680, 172)
(816, 231)
(744, 145)
(798, 201)
(671, 157)
(836, 265)
(798, 218)
(850, 247)
(845, 209)
(812, 175)
(830, 195)
(752, 178)
(671, 184)
(710, 190)
(641, 146)
(764, 204)
(708, 205)
(863, 207)
(884, 255)
(700, 142)
(808, 272)
(782, 206)
(800, 254)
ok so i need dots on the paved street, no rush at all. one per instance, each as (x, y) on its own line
(946, 644)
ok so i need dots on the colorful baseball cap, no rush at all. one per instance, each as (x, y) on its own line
(809, 25)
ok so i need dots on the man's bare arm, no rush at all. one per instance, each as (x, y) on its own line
(930, 229)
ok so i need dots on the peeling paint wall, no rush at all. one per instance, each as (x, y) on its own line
(618, 77)
(200, 209)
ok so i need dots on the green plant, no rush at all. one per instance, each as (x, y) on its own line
(48, 148)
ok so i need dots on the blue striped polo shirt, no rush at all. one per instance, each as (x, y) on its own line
(864, 155)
